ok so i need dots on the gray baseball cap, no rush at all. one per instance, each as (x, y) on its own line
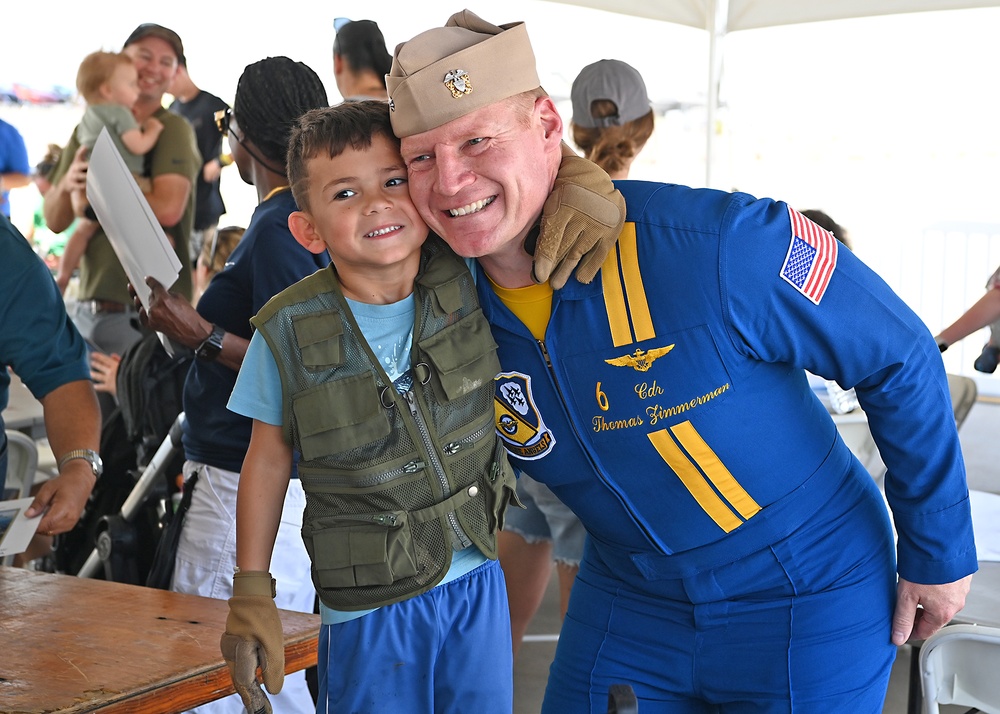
(615, 81)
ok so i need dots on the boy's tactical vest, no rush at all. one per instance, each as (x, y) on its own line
(394, 482)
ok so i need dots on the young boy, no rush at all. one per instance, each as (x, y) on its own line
(379, 372)
(109, 84)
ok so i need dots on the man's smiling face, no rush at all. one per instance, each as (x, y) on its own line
(480, 181)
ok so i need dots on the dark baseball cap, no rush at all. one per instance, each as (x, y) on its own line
(151, 29)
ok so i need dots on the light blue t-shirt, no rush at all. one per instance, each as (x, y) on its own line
(388, 330)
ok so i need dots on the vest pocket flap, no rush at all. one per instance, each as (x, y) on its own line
(464, 355)
(362, 550)
(339, 415)
(319, 337)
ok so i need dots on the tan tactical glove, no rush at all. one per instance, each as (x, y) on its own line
(581, 220)
(253, 636)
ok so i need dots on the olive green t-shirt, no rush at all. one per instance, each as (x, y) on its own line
(176, 152)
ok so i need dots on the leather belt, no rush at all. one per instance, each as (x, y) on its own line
(98, 307)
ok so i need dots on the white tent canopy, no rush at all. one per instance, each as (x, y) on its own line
(720, 17)
(750, 14)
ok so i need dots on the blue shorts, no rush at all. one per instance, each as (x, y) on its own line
(448, 650)
(800, 626)
(545, 518)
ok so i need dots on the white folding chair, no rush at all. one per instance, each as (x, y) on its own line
(959, 665)
(22, 462)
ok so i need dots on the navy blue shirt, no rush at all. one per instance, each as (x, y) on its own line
(267, 260)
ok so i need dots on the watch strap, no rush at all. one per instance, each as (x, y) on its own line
(88, 455)
(212, 345)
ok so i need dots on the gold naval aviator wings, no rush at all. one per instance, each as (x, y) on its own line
(694, 462)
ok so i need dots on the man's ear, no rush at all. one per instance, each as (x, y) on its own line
(301, 225)
(548, 117)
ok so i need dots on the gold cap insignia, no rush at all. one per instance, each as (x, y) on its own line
(459, 82)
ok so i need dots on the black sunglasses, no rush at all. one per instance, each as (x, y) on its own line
(222, 118)
(223, 121)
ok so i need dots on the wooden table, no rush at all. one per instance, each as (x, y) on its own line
(71, 644)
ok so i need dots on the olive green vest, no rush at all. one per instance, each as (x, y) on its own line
(394, 482)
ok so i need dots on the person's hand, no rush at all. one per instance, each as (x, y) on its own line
(104, 372)
(581, 221)
(63, 498)
(152, 125)
(75, 178)
(211, 171)
(253, 637)
(172, 314)
(62, 278)
(938, 605)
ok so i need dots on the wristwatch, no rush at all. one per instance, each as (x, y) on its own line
(209, 349)
(88, 455)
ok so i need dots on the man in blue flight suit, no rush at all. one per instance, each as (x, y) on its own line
(740, 558)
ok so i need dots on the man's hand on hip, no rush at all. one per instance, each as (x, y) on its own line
(938, 605)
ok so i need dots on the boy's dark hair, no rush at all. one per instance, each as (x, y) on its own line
(271, 94)
(329, 131)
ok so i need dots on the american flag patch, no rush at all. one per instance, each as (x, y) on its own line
(811, 258)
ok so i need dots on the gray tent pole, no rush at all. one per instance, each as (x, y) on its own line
(718, 25)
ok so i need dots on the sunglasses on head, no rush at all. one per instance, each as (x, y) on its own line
(222, 118)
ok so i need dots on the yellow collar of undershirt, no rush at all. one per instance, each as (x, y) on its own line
(531, 305)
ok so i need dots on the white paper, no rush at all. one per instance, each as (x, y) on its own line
(136, 236)
(15, 529)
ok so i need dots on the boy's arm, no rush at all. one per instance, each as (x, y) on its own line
(581, 221)
(263, 482)
(143, 138)
(253, 634)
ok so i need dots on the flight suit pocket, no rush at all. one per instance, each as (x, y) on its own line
(362, 550)
(464, 356)
(338, 416)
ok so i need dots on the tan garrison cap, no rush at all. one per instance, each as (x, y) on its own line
(451, 71)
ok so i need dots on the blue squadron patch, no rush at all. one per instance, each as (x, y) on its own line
(519, 424)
